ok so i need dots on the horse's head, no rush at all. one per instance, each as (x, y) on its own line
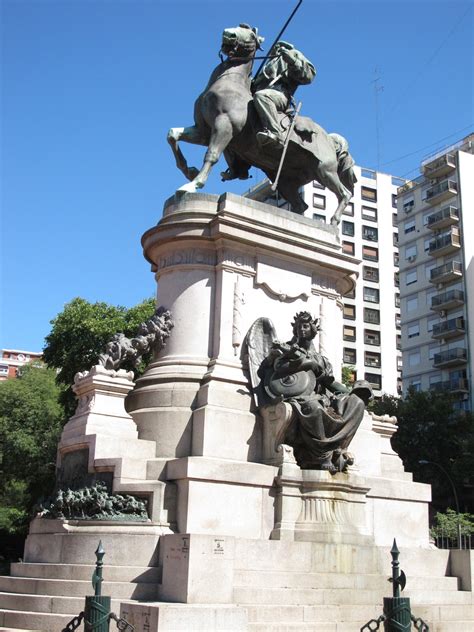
(241, 41)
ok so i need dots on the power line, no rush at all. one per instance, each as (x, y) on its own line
(408, 88)
(417, 151)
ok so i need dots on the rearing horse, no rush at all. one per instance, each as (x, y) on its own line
(226, 122)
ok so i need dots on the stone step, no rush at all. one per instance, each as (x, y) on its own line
(294, 627)
(270, 579)
(76, 588)
(307, 596)
(34, 621)
(306, 557)
(341, 596)
(46, 603)
(278, 614)
(84, 572)
(439, 597)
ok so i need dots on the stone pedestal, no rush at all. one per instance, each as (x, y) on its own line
(221, 263)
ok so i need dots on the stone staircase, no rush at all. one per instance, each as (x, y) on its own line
(314, 587)
(47, 596)
(283, 587)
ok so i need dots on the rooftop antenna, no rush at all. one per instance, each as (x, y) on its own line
(377, 89)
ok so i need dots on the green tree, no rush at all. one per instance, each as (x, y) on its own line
(347, 375)
(430, 430)
(31, 419)
(79, 334)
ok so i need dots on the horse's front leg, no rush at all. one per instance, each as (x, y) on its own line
(191, 135)
(221, 135)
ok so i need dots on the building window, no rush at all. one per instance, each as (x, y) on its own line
(411, 252)
(370, 233)
(371, 337)
(349, 333)
(408, 204)
(349, 210)
(374, 380)
(372, 359)
(349, 356)
(394, 200)
(396, 279)
(433, 350)
(410, 277)
(412, 303)
(368, 194)
(348, 228)
(371, 316)
(415, 384)
(431, 322)
(319, 201)
(317, 185)
(348, 247)
(414, 358)
(371, 295)
(394, 220)
(410, 226)
(397, 300)
(370, 274)
(368, 173)
(426, 244)
(318, 216)
(413, 330)
(398, 341)
(428, 268)
(369, 253)
(369, 213)
(399, 363)
(349, 311)
(3, 369)
(398, 321)
(395, 239)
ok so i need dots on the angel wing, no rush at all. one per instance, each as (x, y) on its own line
(259, 339)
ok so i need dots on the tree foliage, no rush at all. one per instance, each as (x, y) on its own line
(80, 332)
(446, 524)
(31, 419)
(429, 430)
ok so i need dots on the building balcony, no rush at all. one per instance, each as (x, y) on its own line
(440, 166)
(460, 385)
(449, 329)
(446, 273)
(445, 244)
(448, 300)
(443, 218)
(452, 357)
(441, 192)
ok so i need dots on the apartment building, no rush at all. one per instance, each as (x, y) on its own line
(436, 232)
(12, 359)
(369, 231)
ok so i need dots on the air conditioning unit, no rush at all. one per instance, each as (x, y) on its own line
(411, 258)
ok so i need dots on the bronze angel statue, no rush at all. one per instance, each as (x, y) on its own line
(326, 414)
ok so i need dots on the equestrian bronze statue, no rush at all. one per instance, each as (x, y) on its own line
(226, 121)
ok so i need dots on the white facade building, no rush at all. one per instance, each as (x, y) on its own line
(436, 228)
(371, 329)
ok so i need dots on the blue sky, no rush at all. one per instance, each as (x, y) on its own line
(90, 88)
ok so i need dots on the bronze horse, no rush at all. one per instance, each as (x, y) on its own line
(226, 122)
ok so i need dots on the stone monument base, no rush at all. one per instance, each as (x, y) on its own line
(239, 537)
